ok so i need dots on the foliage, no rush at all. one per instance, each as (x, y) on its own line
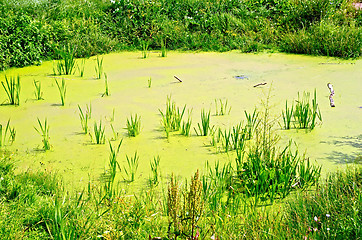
(12, 89)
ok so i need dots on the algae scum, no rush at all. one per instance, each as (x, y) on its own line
(142, 86)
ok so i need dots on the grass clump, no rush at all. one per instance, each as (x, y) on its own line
(155, 169)
(66, 65)
(4, 137)
(172, 118)
(287, 115)
(106, 92)
(133, 126)
(204, 128)
(43, 130)
(132, 166)
(99, 67)
(306, 113)
(62, 87)
(38, 92)
(84, 116)
(221, 107)
(98, 130)
(12, 89)
(145, 46)
(163, 48)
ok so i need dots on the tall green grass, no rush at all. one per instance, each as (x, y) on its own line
(204, 128)
(306, 113)
(130, 170)
(12, 89)
(172, 117)
(287, 115)
(133, 125)
(85, 116)
(66, 65)
(221, 107)
(99, 135)
(38, 92)
(155, 169)
(43, 130)
(7, 134)
(62, 88)
(99, 67)
(163, 48)
(145, 47)
(106, 91)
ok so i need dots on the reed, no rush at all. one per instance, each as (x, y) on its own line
(133, 126)
(4, 138)
(149, 82)
(66, 65)
(252, 122)
(81, 67)
(163, 48)
(306, 113)
(12, 89)
(113, 165)
(155, 164)
(43, 130)
(186, 126)
(131, 169)
(227, 140)
(172, 118)
(145, 46)
(287, 115)
(38, 93)
(99, 67)
(62, 90)
(106, 92)
(204, 128)
(221, 107)
(84, 117)
(99, 135)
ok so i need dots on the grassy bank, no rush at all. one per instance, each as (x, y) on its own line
(34, 205)
(32, 31)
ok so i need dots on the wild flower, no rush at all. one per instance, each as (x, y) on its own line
(328, 215)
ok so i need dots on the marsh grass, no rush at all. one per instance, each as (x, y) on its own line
(186, 125)
(132, 166)
(62, 90)
(99, 67)
(7, 134)
(99, 134)
(145, 51)
(106, 92)
(287, 115)
(155, 169)
(252, 122)
(172, 118)
(12, 89)
(133, 125)
(221, 107)
(163, 48)
(66, 65)
(38, 92)
(113, 165)
(81, 67)
(149, 81)
(306, 113)
(84, 117)
(204, 128)
(43, 130)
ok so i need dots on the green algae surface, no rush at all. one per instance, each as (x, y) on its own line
(334, 143)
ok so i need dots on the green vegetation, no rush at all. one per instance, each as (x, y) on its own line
(172, 118)
(204, 128)
(99, 67)
(185, 211)
(98, 131)
(149, 81)
(62, 90)
(43, 130)
(131, 169)
(4, 139)
(66, 65)
(33, 31)
(155, 169)
(38, 93)
(222, 108)
(106, 91)
(81, 67)
(133, 126)
(84, 117)
(12, 89)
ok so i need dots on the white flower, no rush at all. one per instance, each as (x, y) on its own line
(328, 229)
(315, 219)
(113, 1)
(328, 215)
(1, 178)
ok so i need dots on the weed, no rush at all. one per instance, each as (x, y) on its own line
(204, 128)
(133, 126)
(115, 133)
(99, 135)
(81, 67)
(287, 115)
(62, 90)
(12, 89)
(132, 166)
(149, 82)
(99, 67)
(106, 93)
(4, 139)
(172, 118)
(163, 48)
(306, 114)
(186, 125)
(112, 165)
(155, 164)
(44, 132)
(145, 45)
(66, 65)
(223, 108)
(38, 93)
(252, 123)
(84, 117)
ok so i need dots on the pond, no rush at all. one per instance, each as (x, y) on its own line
(206, 77)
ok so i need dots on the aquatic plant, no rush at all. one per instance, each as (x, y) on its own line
(155, 164)
(172, 118)
(81, 67)
(113, 165)
(12, 89)
(44, 133)
(4, 139)
(99, 67)
(287, 115)
(99, 135)
(204, 128)
(66, 64)
(223, 108)
(85, 116)
(306, 114)
(133, 126)
(62, 90)
(106, 92)
(252, 122)
(145, 45)
(227, 138)
(186, 126)
(149, 82)
(163, 48)
(131, 169)
(38, 93)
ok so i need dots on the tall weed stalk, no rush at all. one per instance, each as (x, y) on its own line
(62, 90)
(99, 67)
(43, 130)
(12, 89)
(204, 128)
(38, 92)
(132, 166)
(133, 126)
(4, 138)
(84, 116)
